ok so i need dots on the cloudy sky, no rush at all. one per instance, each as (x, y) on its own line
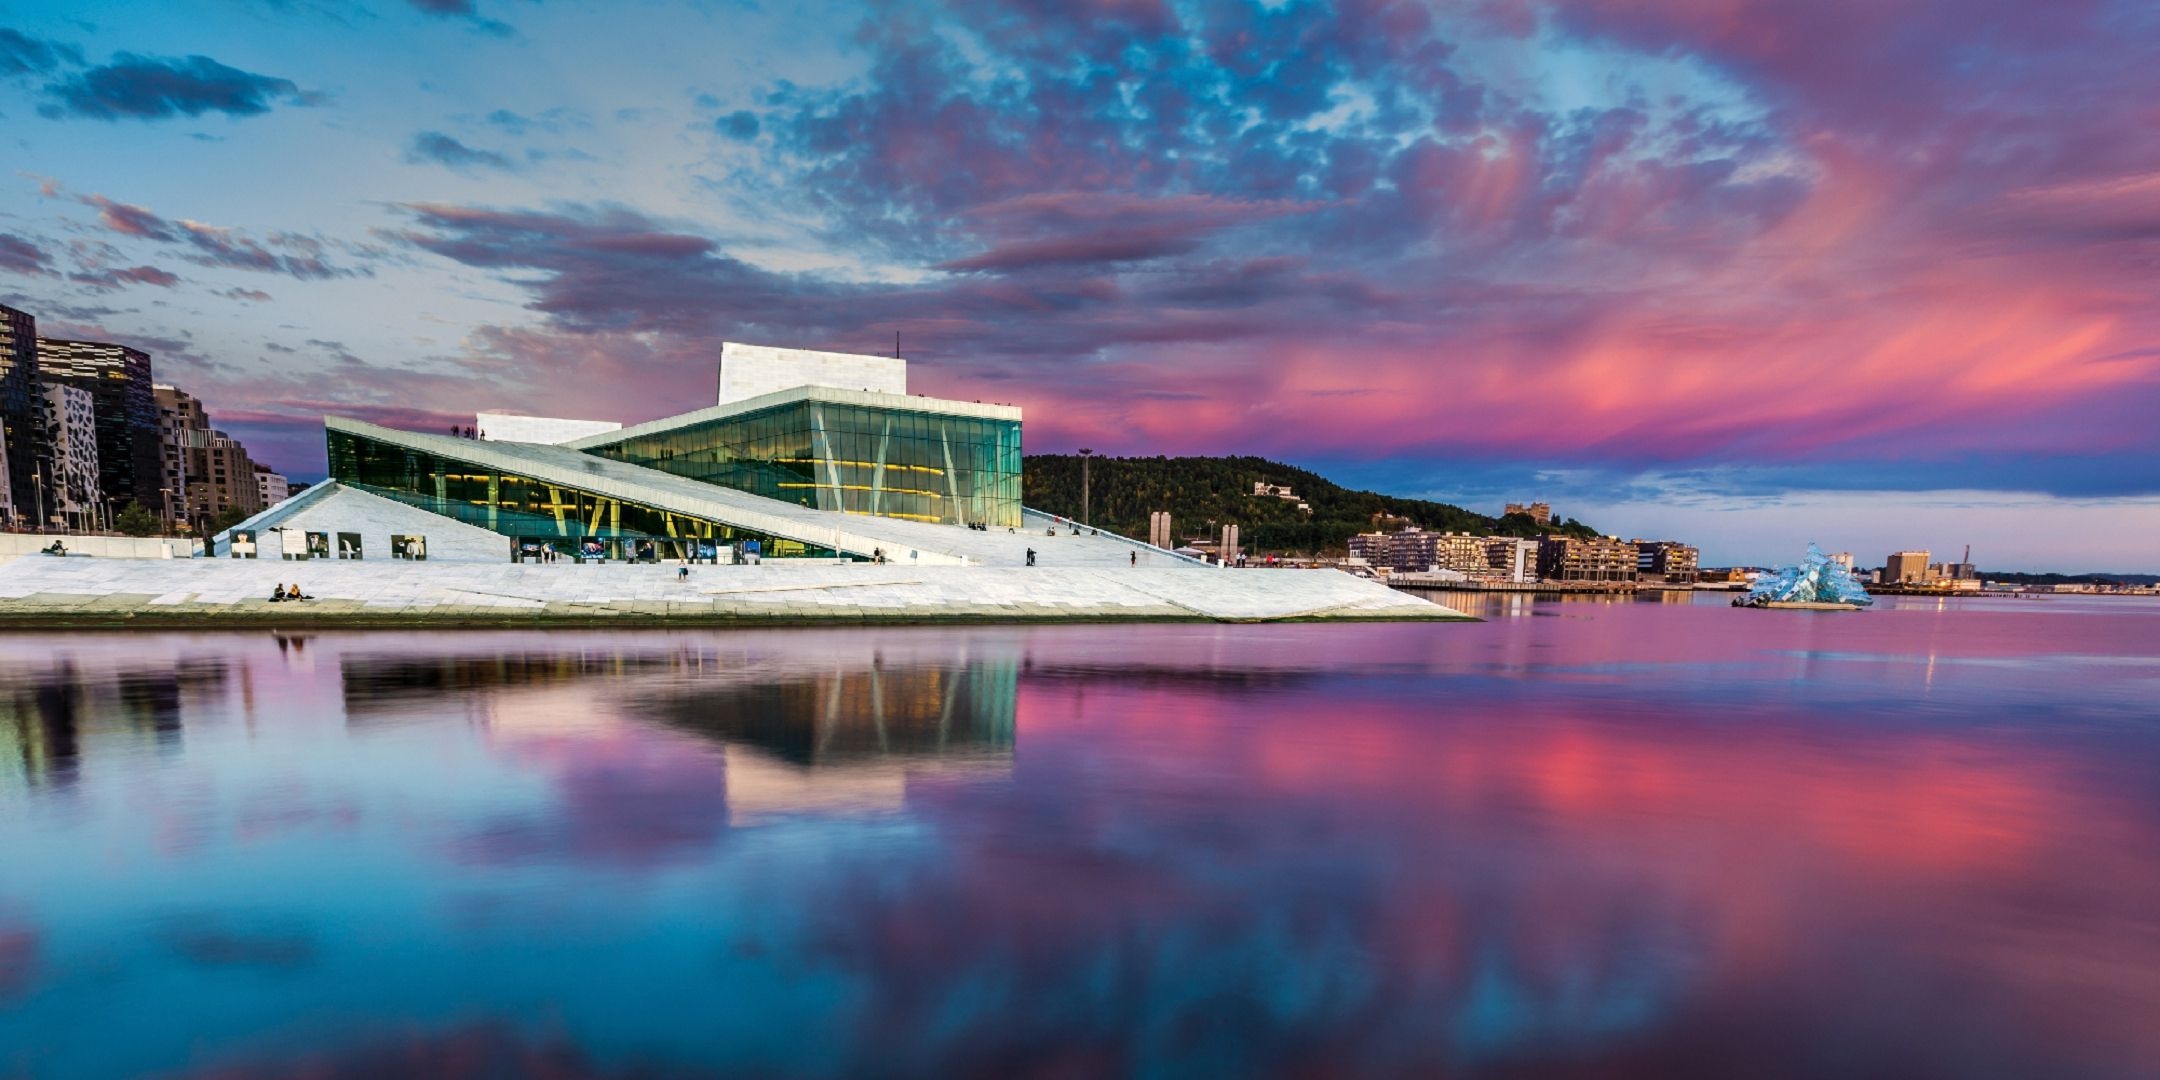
(1883, 273)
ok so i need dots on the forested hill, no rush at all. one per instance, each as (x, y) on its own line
(1204, 493)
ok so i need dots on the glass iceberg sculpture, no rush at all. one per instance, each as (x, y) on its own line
(1817, 580)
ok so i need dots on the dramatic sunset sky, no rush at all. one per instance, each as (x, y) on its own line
(1882, 273)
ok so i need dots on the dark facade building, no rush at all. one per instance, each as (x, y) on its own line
(1572, 558)
(118, 379)
(1669, 560)
(21, 411)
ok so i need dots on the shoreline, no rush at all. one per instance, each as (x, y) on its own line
(65, 594)
(27, 619)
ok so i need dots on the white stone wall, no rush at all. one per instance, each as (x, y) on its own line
(553, 430)
(747, 371)
(375, 519)
(18, 545)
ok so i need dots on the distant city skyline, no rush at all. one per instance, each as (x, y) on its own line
(1745, 273)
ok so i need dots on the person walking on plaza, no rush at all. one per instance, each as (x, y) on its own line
(1031, 557)
(1135, 557)
(682, 573)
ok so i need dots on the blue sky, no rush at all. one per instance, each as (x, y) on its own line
(1751, 272)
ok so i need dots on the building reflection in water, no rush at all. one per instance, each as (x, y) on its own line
(850, 715)
(48, 714)
(1610, 843)
(821, 730)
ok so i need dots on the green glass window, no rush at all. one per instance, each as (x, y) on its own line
(525, 507)
(849, 458)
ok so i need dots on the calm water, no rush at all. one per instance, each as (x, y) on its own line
(1580, 839)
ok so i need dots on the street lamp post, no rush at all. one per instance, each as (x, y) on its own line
(37, 478)
(1085, 455)
(168, 493)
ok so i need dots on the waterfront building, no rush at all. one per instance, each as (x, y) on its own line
(21, 409)
(1459, 552)
(874, 451)
(208, 471)
(271, 488)
(1371, 549)
(1962, 570)
(1538, 511)
(1669, 560)
(779, 470)
(1511, 559)
(1409, 549)
(221, 477)
(118, 378)
(1415, 550)
(182, 424)
(69, 482)
(1905, 568)
(1596, 559)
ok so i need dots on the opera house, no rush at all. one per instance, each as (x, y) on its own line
(802, 454)
(814, 488)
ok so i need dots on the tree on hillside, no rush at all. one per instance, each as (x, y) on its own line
(1203, 493)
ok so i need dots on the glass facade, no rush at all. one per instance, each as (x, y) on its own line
(21, 409)
(903, 463)
(531, 509)
(127, 414)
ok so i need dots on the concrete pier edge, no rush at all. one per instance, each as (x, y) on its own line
(38, 594)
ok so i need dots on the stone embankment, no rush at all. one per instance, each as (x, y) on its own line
(57, 593)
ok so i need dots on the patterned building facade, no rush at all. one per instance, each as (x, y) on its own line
(68, 484)
(119, 380)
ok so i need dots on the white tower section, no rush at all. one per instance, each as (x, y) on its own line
(748, 371)
(515, 427)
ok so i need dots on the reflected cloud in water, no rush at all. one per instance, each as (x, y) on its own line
(1627, 841)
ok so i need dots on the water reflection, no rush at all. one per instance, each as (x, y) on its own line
(43, 711)
(1632, 840)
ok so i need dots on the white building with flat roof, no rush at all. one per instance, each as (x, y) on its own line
(748, 371)
(552, 430)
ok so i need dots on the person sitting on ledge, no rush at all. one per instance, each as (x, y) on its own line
(277, 595)
(57, 548)
(294, 593)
